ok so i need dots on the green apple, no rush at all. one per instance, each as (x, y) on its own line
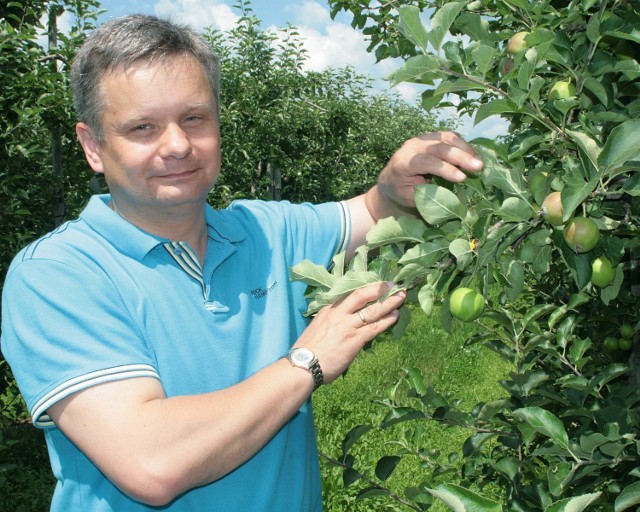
(602, 272)
(516, 43)
(466, 304)
(552, 210)
(562, 90)
(625, 344)
(626, 331)
(611, 344)
(581, 234)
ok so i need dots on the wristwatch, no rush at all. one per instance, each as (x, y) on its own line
(304, 358)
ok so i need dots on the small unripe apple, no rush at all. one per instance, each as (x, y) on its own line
(626, 331)
(562, 90)
(517, 43)
(581, 234)
(602, 272)
(552, 210)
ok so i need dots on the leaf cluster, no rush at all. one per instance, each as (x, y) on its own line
(565, 435)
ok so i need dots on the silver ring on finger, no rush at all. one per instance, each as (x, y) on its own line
(362, 318)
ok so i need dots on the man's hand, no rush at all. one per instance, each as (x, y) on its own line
(339, 331)
(441, 154)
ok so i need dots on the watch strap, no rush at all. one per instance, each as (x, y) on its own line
(313, 367)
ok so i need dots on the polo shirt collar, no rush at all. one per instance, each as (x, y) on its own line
(137, 243)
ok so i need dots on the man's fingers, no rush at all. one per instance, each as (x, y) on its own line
(366, 304)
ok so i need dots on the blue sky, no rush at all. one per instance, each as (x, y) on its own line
(328, 42)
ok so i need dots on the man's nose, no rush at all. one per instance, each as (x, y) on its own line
(175, 142)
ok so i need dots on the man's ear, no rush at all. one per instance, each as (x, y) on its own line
(90, 145)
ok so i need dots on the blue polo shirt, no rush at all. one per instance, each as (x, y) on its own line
(99, 300)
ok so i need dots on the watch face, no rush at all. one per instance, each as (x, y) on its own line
(302, 356)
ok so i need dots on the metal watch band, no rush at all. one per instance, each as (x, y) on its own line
(318, 377)
(313, 367)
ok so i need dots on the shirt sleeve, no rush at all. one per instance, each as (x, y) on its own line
(65, 329)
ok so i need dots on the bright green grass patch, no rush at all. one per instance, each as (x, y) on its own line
(469, 374)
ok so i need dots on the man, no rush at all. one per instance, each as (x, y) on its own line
(160, 379)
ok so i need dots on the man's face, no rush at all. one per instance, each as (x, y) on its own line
(161, 147)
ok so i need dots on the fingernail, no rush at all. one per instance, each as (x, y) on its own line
(476, 162)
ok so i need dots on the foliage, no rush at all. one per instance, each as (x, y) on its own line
(35, 103)
(565, 434)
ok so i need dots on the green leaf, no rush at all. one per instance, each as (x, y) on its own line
(411, 26)
(401, 325)
(437, 204)
(588, 146)
(545, 423)
(410, 275)
(371, 492)
(352, 437)
(558, 476)
(575, 193)
(510, 181)
(514, 272)
(418, 69)
(516, 209)
(475, 26)
(312, 274)
(361, 258)
(351, 281)
(508, 466)
(461, 249)
(350, 476)
(442, 21)
(484, 56)
(536, 312)
(460, 499)
(391, 231)
(416, 381)
(576, 504)
(623, 144)
(427, 299)
(457, 85)
(386, 465)
(494, 108)
(425, 254)
(338, 263)
(629, 497)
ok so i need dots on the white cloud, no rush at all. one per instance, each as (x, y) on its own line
(337, 47)
(408, 92)
(309, 14)
(198, 13)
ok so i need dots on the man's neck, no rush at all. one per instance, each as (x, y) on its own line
(173, 224)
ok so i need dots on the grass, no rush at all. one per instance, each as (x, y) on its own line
(469, 374)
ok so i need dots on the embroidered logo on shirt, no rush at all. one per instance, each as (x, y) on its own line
(261, 293)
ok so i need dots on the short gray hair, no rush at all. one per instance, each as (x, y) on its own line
(123, 42)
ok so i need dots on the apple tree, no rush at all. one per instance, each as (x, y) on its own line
(548, 235)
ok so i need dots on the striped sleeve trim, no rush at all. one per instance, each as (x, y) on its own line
(39, 411)
(345, 227)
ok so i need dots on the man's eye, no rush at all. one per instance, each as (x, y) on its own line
(142, 127)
